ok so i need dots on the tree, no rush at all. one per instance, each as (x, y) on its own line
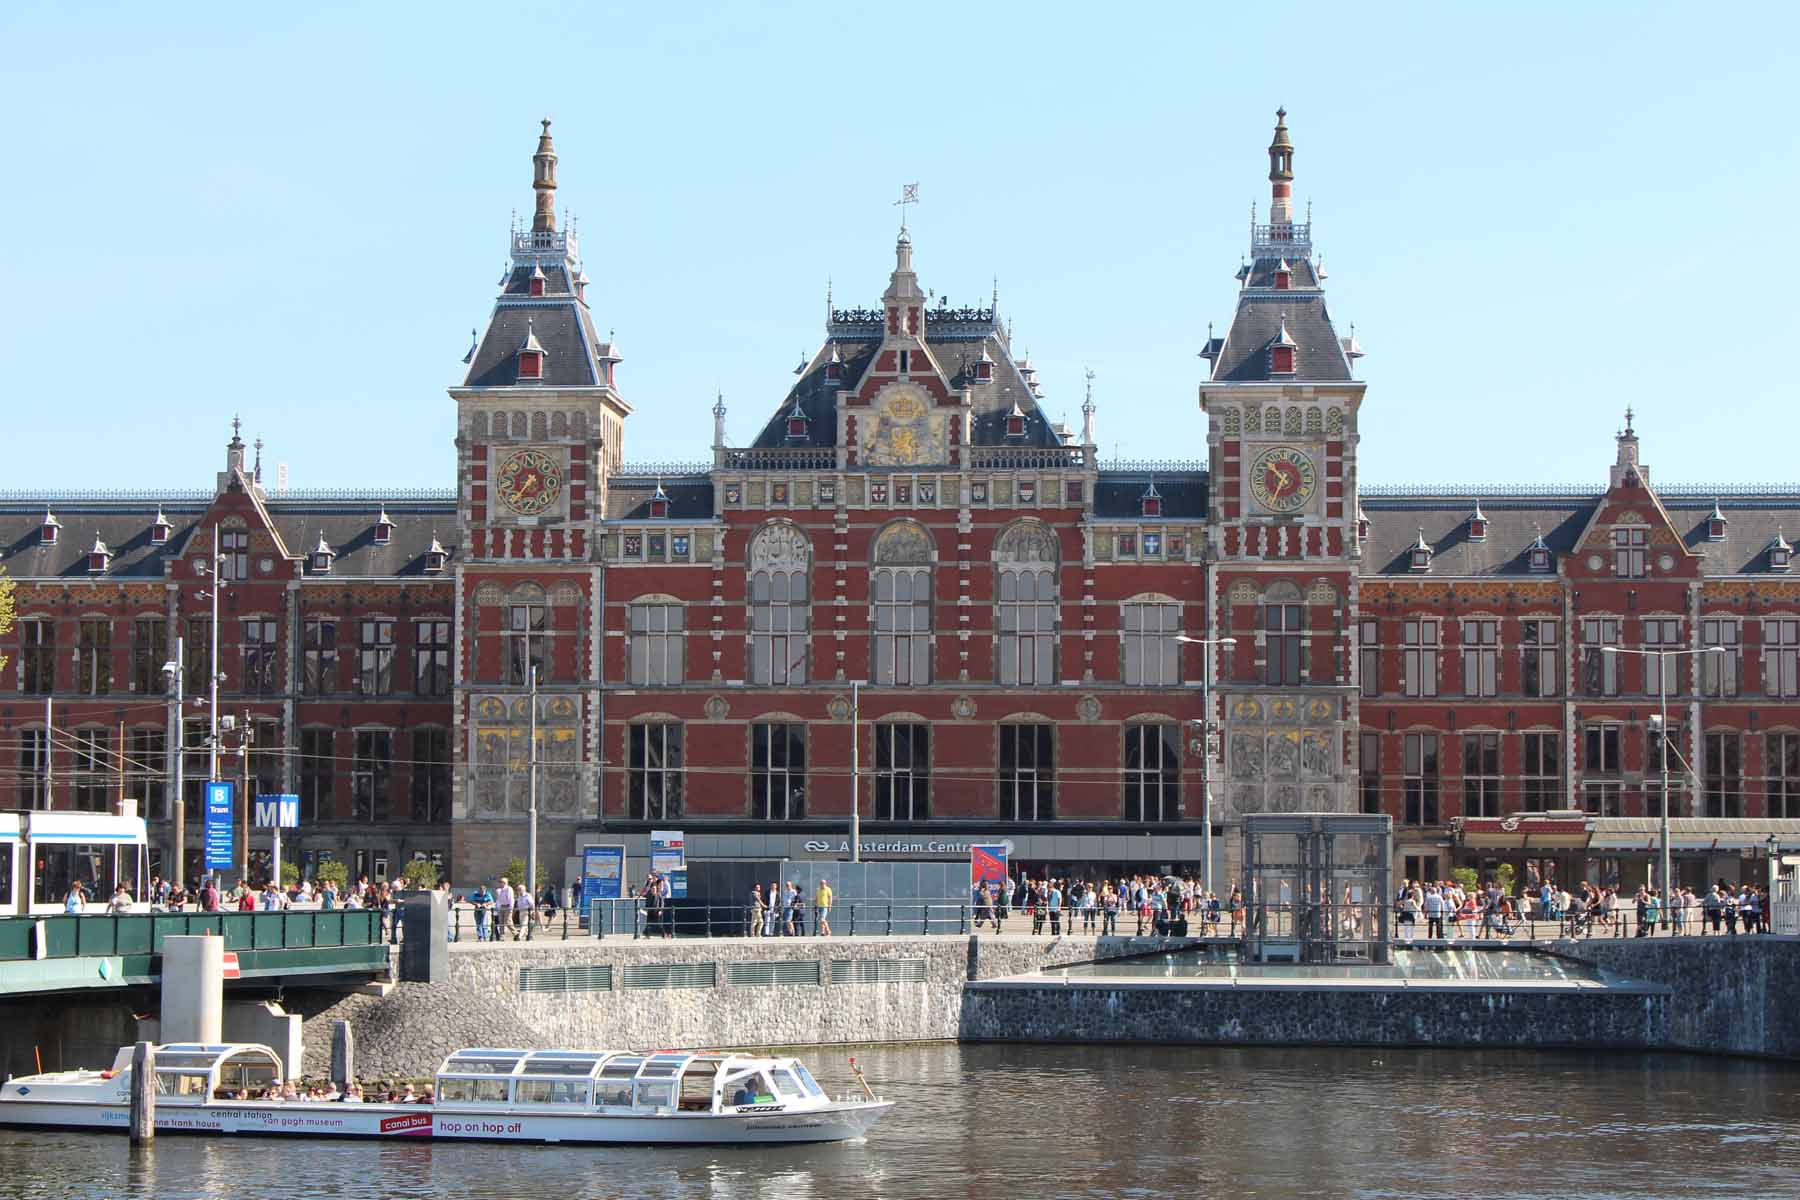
(1466, 878)
(334, 872)
(515, 871)
(8, 611)
(419, 875)
(290, 874)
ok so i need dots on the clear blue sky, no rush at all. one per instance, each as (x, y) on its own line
(1534, 214)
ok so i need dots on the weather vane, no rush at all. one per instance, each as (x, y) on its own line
(909, 194)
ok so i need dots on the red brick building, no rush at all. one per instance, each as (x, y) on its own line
(912, 569)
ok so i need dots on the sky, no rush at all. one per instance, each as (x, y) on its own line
(1534, 214)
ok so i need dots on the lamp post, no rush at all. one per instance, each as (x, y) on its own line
(1774, 845)
(855, 773)
(531, 838)
(172, 670)
(1206, 856)
(1662, 723)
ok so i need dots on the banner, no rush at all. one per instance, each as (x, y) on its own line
(602, 872)
(668, 856)
(987, 864)
(219, 842)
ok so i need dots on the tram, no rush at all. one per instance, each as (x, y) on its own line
(42, 853)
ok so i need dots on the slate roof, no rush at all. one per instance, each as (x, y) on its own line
(562, 325)
(628, 499)
(1244, 357)
(1119, 494)
(349, 527)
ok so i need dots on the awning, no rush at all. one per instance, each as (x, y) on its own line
(1525, 831)
(1689, 834)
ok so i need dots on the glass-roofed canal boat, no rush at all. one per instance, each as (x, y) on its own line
(572, 1096)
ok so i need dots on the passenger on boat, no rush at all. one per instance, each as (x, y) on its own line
(743, 1095)
(354, 1095)
(427, 1096)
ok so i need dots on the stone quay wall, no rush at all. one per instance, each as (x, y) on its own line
(916, 997)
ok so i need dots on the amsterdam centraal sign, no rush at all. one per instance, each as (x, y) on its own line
(921, 846)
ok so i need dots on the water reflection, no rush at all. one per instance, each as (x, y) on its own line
(1023, 1122)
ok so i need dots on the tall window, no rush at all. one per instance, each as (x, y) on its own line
(1540, 771)
(1027, 773)
(1151, 655)
(146, 770)
(370, 773)
(1781, 657)
(257, 651)
(149, 651)
(778, 772)
(1481, 657)
(1538, 657)
(779, 560)
(430, 776)
(1152, 772)
(1421, 779)
(1631, 548)
(317, 801)
(1419, 656)
(527, 642)
(902, 772)
(1368, 768)
(1599, 670)
(197, 655)
(1661, 633)
(95, 778)
(901, 592)
(1724, 775)
(93, 657)
(34, 755)
(1283, 643)
(1027, 626)
(1654, 741)
(656, 645)
(318, 657)
(37, 657)
(1368, 663)
(375, 659)
(1600, 767)
(234, 555)
(654, 781)
(1481, 774)
(1719, 669)
(1783, 759)
(431, 658)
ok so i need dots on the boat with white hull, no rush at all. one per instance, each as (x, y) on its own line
(567, 1096)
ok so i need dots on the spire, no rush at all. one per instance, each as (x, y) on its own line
(234, 452)
(256, 471)
(543, 183)
(1087, 411)
(1281, 173)
(1626, 467)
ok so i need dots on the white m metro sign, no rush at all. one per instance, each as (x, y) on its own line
(278, 812)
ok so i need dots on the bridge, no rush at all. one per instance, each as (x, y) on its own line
(56, 953)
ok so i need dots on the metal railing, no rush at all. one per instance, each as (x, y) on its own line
(111, 935)
(1026, 458)
(782, 458)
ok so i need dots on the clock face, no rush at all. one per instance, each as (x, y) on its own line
(1282, 479)
(529, 482)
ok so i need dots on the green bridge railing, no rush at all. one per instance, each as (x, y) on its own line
(143, 933)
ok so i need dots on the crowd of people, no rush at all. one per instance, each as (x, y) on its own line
(781, 911)
(505, 910)
(1144, 904)
(323, 1093)
(1444, 909)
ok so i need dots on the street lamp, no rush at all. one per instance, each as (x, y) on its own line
(855, 772)
(172, 674)
(1774, 845)
(1206, 856)
(1662, 723)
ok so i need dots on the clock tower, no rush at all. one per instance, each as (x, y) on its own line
(539, 426)
(1281, 406)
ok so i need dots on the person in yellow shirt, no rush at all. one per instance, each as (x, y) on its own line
(822, 905)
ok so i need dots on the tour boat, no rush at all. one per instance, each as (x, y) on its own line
(573, 1096)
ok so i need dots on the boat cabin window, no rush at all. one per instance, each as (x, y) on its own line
(659, 1093)
(471, 1091)
(250, 1071)
(697, 1086)
(181, 1083)
(481, 1064)
(753, 1088)
(812, 1085)
(787, 1085)
(615, 1081)
(561, 1064)
(551, 1091)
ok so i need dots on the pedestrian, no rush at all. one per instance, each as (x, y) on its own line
(822, 908)
(482, 901)
(503, 907)
(796, 909)
(773, 920)
(757, 911)
(524, 912)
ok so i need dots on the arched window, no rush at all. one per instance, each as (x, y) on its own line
(1025, 625)
(779, 560)
(654, 641)
(901, 596)
(1284, 637)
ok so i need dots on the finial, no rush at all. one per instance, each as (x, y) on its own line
(1280, 116)
(828, 299)
(236, 425)
(474, 344)
(909, 194)
(1089, 402)
(995, 302)
(1629, 431)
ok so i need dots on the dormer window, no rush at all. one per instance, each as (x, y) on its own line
(1284, 276)
(1780, 553)
(531, 354)
(984, 366)
(1150, 503)
(1421, 553)
(659, 503)
(99, 558)
(1715, 524)
(1478, 524)
(536, 284)
(322, 556)
(435, 557)
(581, 283)
(1537, 555)
(384, 529)
(160, 529)
(1015, 422)
(49, 529)
(1282, 351)
(796, 423)
(834, 367)
(1362, 525)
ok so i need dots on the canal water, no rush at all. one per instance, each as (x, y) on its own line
(1020, 1122)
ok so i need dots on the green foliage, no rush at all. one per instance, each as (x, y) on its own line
(334, 871)
(515, 871)
(290, 874)
(419, 875)
(1466, 878)
(1505, 875)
